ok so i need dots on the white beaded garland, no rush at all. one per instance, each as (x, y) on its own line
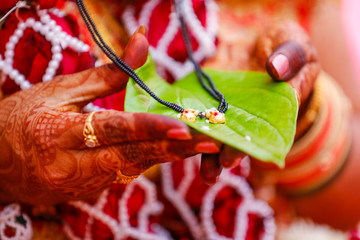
(178, 201)
(146, 13)
(206, 229)
(10, 45)
(9, 54)
(204, 36)
(52, 33)
(7, 69)
(57, 12)
(121, 227)
(8, 219)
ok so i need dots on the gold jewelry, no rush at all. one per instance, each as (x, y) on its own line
(124, 179)
(320, 154)
(89, 134)
(213, 116)
(189, 115)
(312, 110)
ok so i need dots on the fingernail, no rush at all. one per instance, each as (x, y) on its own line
(227, 163)
(141, 30)
(281, 65)
(179, 134)
(211, 181)
(207, 147)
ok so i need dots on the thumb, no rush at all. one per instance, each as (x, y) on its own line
(285, 50)
(81, 88)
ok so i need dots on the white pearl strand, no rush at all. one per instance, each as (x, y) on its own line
(99, 215)
(100, 204)
(57, 12)
(8, 219)
(121, 227)
(189, 175)
(249, 205)
(53, 33)
(59, 39)
(129, 20)
(147, 11)
(150, 207)
(169, 34)
(212, 21)
(69, 233)
(160, 231)
(206, 212)
(206, 229)
(204, 37)
(263, 210)
(178, 201)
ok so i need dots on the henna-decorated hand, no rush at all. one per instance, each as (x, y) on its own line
(285, 51)
(43, 156)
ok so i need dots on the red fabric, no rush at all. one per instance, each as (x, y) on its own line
(159, 21)
(226, 204)
(7, 4)
(354, 235)
(77, 220)
(32, 61)
(45, 4)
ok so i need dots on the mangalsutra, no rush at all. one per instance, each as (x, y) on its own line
(190, 115)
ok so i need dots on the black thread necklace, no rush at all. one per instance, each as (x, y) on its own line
(215, 116)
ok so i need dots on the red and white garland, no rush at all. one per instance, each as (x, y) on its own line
(53, 33)
(121, 227)
(10, 227)
(205, 36)
(205, 228)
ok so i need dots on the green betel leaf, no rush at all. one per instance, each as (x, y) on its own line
(260, 121)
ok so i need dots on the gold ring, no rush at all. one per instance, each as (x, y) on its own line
(89, 133)
(124, 179)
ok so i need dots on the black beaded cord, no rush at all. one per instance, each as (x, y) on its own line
(223, 106)
(116, 59)
(130, 72)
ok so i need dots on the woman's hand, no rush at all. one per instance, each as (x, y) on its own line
(286, 52)
(43, 155)
(282, 49)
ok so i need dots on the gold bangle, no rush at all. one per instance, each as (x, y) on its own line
(312, 110)
(124, 179)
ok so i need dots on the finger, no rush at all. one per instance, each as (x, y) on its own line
(230, 157)
(114, 127)
(136, 156)
(285, 49)
(286, 61)
(303, 82)
(145, 154)
(210, 168)
(82, 88)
